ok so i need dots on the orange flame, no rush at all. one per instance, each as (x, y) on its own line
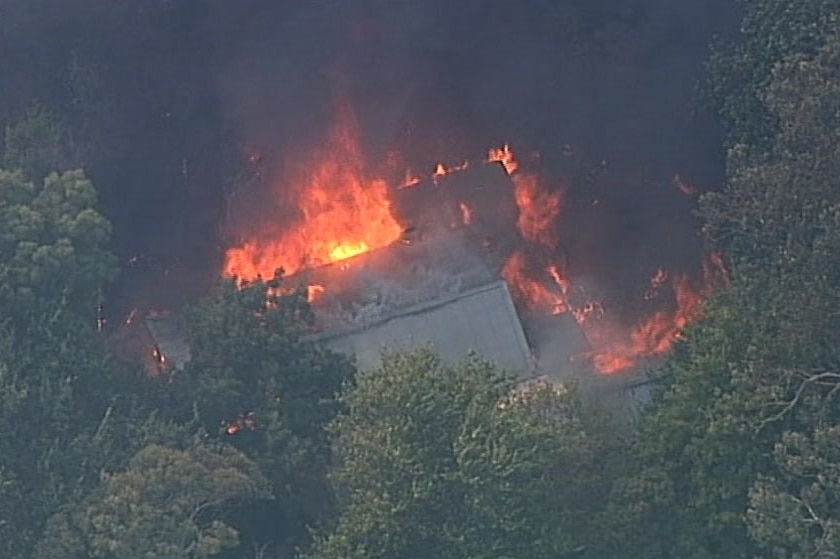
(342, 213)
(505, 156)
(410, 180)
(653, 337)
(441, 170)
(534, 295)
(615, 349)
(538, 210)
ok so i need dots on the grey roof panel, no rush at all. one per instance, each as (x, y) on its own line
(170, 339)
(482, 320)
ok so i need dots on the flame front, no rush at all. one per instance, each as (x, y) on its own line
(543, 286)
(652, 337)
(539, 211)
(342, 212)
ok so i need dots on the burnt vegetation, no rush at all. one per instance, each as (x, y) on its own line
(138, 140)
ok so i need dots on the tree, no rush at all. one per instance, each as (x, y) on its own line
(11, 502)
(437, 461)
(54, 252)
(691, 463)
(254, 382)
(167, 502)
(63, 414)
(796, 513)
(779, 220)
(761, 372)
(741, 70)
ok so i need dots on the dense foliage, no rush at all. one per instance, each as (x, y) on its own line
(436, 461)
(56, 383)
(734, 457)
(742, 68)
(251, 370)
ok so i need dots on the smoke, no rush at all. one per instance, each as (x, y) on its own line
(439, 79)
(602, 90)
(181, 85)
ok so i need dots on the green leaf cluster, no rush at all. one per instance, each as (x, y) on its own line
(740, 70)
(166, 502)
(439, 461)
(54, 246)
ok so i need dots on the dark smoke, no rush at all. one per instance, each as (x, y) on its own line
(185, 85)
(440, 79)
(604, 91)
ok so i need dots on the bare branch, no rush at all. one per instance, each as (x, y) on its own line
(824, 379)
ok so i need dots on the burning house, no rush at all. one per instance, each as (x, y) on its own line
(468, 258)
(440, 290)
(371, 245)
(420, 263)
(438, 283)
(153, 339)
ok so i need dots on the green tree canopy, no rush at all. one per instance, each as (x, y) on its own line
(11, 502)
(438, 461)
(54, 252)
(256, 383)
(167, 502)
(741, 70)
(754, 386)
(795, 513)
(63, 411)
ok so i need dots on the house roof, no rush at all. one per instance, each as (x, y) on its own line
(170, 339)
(479, 320)
(381, 283)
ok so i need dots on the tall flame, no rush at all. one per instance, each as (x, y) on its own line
(538, 210)
(342, 212)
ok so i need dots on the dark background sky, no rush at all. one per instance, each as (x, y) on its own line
(183, 85)
(614, 78)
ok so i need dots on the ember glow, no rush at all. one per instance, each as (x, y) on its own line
(539, 210)
(466, 213)
(410, 180)
(342, 212)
